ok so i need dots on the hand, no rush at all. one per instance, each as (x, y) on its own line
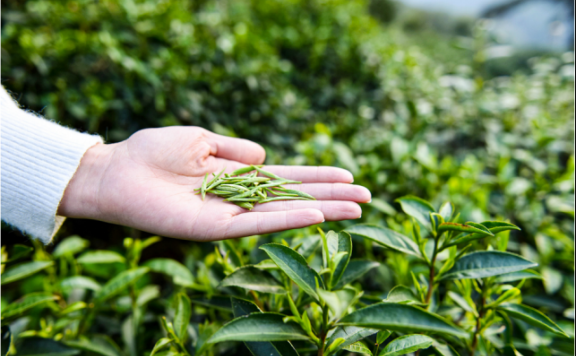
(148, 181)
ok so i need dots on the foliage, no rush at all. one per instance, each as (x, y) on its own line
(317, 83)
(305, 297)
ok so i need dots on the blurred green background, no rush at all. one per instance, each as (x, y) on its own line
(411, 102)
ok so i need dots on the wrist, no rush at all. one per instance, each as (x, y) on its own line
(80, 199)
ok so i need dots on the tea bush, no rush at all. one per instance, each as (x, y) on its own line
(315, 83)
(303, 296)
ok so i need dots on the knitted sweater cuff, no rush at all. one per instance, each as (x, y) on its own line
(39, 157)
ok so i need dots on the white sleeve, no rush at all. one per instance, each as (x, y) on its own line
(39, 157)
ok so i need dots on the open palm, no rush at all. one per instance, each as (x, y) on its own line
(148, 181)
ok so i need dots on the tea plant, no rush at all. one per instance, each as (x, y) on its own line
(467, 298)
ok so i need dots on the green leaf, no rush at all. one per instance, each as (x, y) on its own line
(5, 339)
(160, 344)
(516, 276)
(147, 294)
(417, 208)
(407, 344)
(446, 211)
(382, 336)
(403, 295)
(70, 246)
(400, 317)
(386, 237)
(493, 226)
(73, 307)
(309, 246)
(383, 206)
(252, 278)
(344, 246)
(180, 274)
(100, 256)
(215, 302)
(259, 327)
(242, 307)
(469, 227)
(338, 301)
(120, 283)
(227, 246)
(79, 282)
(266, 264)
(27, 302)
(350, 334)
(182, 317)
(24, 270)
(295, 266)
(17, 252)
(355, 270)
(100, 346)
(461, 302)
(36, 346)
(532, 317)
(486, 264)
(358, 347)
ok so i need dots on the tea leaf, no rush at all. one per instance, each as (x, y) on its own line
(350, 334)
(70, 246)
(418, 208)
(179, 273)
(446, 211)
(337, 301)
(355, 270)
(100, 256)
(358, 347)
(407, 344)
(160, 344)
(493, 226)
(516, 276)
(400, 317)
(242, 307)
(120, 283)
(216, 302)
(532, 317)
(382, 336)
(386, 237)
(470, 227)
(36, 346)
(182, 317)
(17, 252)
(252, 278)
(486, 264)
(344, 246)
(27, 302)
(99, 346)
(403, 295)
(79, 282)
(24, 270)
(259, 327)
(295, 266)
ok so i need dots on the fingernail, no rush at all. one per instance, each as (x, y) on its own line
(370, 201)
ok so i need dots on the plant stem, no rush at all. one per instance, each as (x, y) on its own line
(432, 273)
(478, 320)
(256, 300)
(324, 331)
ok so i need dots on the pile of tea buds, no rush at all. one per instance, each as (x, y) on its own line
(245, 188)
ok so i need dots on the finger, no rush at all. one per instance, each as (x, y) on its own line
(312, 174)
(334, 191)
(332, 210)
(256, 223)
(236, 149)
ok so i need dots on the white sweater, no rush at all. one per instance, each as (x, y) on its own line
(39, 157)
